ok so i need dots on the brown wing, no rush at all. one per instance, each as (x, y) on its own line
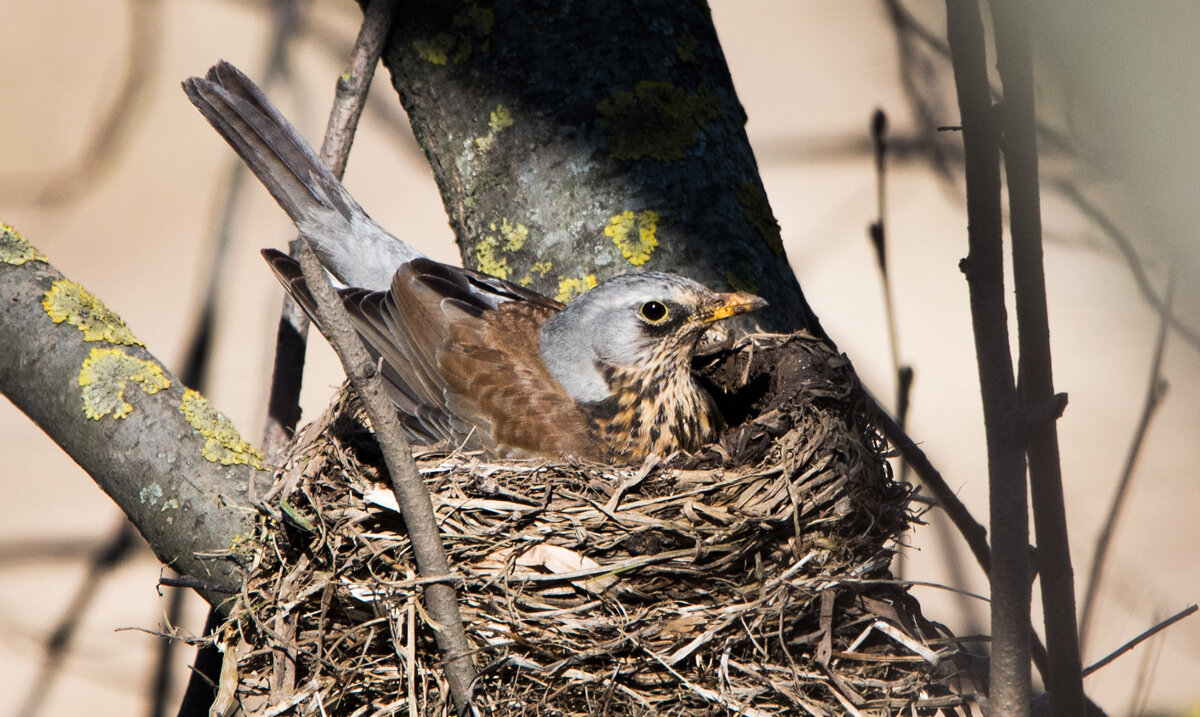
(494, 363)
(458, 352)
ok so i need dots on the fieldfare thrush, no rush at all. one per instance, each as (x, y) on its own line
(471, 360)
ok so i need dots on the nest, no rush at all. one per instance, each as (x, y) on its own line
(752, 579)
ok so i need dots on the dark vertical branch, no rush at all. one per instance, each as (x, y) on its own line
(1015, 62)
(878, 233)
(984, 269)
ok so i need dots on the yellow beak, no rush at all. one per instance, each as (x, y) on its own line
(732, 304)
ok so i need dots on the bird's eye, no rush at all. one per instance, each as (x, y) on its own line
(654, 311)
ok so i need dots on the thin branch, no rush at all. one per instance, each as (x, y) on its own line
(411, 493)
(1155, 391)
(878, 234)
(1186, 612)
(1003, 420)
(283, 410)
(971, 531)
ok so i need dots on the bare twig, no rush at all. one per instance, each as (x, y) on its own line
(1003, 420)
(878, 234)
(919, 80)
(1186, 612)
(411, 493)
(1154, 393)
(284, 402)
(1014, 59)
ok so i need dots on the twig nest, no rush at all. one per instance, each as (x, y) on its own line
(752, 579)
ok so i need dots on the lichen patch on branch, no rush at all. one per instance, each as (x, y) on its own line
(223, 444)
(105, 374)
(541, 268)
(15, 249)
(490, 252)
(70, 302)
(656, 119)
(499, 120)
(472, 25)
(570, 287)
(634, 234)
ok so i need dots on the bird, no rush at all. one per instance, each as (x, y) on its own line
(471, 361)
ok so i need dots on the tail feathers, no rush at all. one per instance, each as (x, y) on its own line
(281, 159)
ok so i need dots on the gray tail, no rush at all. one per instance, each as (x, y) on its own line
(281, 159)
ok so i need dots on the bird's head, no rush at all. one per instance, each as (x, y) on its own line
(634, 322)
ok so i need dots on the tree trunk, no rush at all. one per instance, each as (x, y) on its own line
(574, 141)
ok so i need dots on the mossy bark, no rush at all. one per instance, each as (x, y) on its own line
(574, 141)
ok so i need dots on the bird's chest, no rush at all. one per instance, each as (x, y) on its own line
(653, 412)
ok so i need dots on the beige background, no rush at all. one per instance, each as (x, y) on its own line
(809, 75)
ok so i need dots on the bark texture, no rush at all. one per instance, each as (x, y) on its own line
(575, 141)
(172, 463)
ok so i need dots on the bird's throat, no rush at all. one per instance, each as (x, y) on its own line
(657, 412)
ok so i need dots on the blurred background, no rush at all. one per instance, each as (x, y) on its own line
(111, 173)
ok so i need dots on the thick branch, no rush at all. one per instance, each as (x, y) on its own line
(145, 443)
(1003, 420)
(1014, 58)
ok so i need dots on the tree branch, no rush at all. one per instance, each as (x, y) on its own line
(1014, 59)
(411, 494)
(632, 155)
(283, 404)
(175, 466)
(1002, 417)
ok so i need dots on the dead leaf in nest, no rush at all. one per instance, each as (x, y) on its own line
(683, 626)
(582, 571)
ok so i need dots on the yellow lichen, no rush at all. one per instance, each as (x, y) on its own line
(488, 257)
(541, 268)
(635, 246)
(514, 234)
(757, 210)
(499, 120)
(473, 24)
(490, 251)
(14, 249)
(571, 287)
(70, 302)
(436, 50)
(742, 279)
(104, 375)
(223, 444)
(686, 48)
(656, 119)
